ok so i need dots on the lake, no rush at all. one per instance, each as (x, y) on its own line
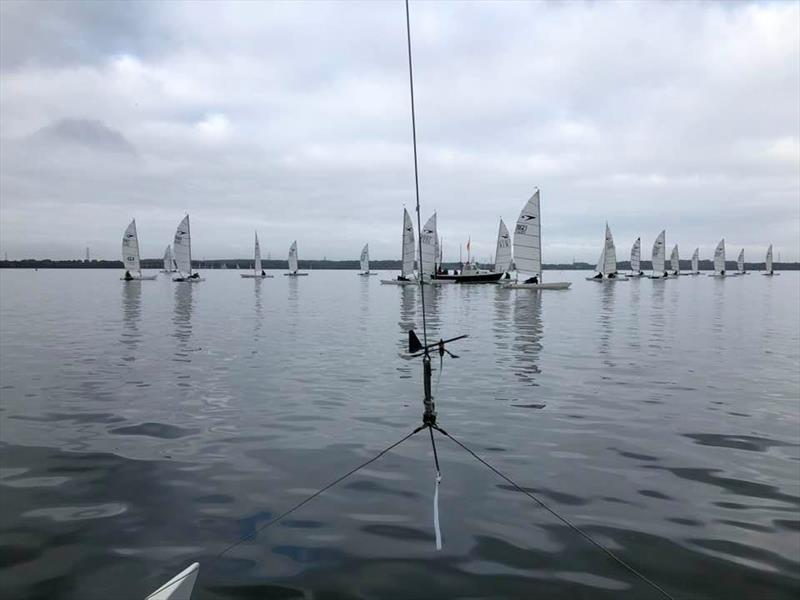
(147, 425)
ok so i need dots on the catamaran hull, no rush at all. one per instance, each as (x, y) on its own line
(556, 285)
(252, 276)
(295, 274)
(366, 274)
(188, 280)
(770, 274)
(635, 275)
(398, 282)
(606, 279)
(141, 278)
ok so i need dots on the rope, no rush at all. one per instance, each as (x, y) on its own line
(564, 520)
(308, 499)
(416, 176)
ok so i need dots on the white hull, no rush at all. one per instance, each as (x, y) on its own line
(770, 274)
(692, 274)
(168, 272)
(188, 280)
(556, 285)
(179, 587)
(366, 274)
(254, 276)
(719, 276)
(635, 275)
(141, 278)
(295, 274)
(606, 279)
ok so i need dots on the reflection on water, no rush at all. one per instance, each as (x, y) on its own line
(408, 308)
(502, 325)
(131, 315)
(528, 331)
(259, 313)
(606, 322)
(656, 322)
(182, 320)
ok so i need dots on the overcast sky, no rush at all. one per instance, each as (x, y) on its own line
(295, 119)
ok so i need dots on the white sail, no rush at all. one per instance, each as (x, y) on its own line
(675, 261)
(437, 255)
(502, 255)
(130, 250)
(257, 258)
(528, 239)
(601, 261)
(659, 254)
(168, 258)
(696, 261)
(293, 257)
(610, 254)
(636, 256)
(719, 258)
(409, 249)
(429, 240)
(365, 259)
(768, 261)
(182, 248)
(740, 261)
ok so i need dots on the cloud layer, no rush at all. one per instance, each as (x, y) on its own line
(294, 119)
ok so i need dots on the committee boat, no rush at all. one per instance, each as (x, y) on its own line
(258, 272)
(364, 262)
(719, 260)
(769, 271)
(409, 253)
(636, 259)
(293, 262)
(182, 249)
(528, 250)
(130, 256)
(607, 263)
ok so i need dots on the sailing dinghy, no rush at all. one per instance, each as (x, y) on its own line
(130, 256)
(258, 272)
(409, 254)
(182, 249)
(719, 260)
(607, 263)
(528, 250)
(293, 272)
(364, 260)
(636, 259)
(675, 262)
(768, 263)
(169, 262)
(502, 255)
(658, 257)
(695, 262)
(740, 270)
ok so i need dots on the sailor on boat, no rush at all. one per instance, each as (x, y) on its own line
(128, 276)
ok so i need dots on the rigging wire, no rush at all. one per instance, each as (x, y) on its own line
(416, 177)
(619, 560)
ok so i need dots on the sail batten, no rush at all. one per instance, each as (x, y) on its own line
(182, 248)
(659, 254)
(528, 239)
(502, 255)
(130, 249)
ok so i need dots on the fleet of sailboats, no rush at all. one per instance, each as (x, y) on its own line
(130, 256)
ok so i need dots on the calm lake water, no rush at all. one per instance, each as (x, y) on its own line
(147, 425)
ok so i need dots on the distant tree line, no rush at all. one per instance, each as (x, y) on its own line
(378, 265)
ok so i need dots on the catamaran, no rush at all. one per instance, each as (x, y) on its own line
(636, 259)
(169, 262)
(719, 260)
(409, 254)
(768, 263)
(658, 257)
(695, 262)
(365, 262)
(740, 270)
(258, 272)
(528, 249)
(675, 262)
(182, 248)
(607, 263)
(130, 256)
(293, 272)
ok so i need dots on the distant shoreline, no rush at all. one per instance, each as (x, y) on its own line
(345, 265)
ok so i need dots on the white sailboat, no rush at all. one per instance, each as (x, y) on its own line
(169, 262)
(293, 272)
(658, 257)
(695, 262)
(258, 272)
(502, 255)
(607, 263)
(364, 260)
(740, 264)
(130, 256)
(429, 240)
(719, 260)
(409, 254)
(769, 271)
(528, 249)
(182, 250)
(636, 259)
(675, 262)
